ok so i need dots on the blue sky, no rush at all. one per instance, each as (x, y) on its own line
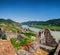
(29, 10)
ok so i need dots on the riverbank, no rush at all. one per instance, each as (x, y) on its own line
(53, 28)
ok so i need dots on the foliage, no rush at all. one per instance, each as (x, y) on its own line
(4, 37)
(29, 34)
(17, 44)
(53, 28)
(53, 24)
(25, 41)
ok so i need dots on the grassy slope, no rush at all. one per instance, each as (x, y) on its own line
(18, 44)
(9, 26)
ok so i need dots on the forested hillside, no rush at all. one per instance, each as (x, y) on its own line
(54, 22)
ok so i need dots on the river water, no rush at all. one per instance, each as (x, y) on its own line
(55, 34)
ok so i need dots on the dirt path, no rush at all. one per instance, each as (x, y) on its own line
(6, 48)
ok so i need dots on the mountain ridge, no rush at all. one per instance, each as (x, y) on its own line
(54, 22)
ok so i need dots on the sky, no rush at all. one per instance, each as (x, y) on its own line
(29, 10)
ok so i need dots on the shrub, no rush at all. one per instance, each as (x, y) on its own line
(4, 37)
(17, 44)
(25, 41)
(59, 41)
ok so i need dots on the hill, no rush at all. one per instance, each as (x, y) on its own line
(52, 22)
(12, 28)
(9, 26)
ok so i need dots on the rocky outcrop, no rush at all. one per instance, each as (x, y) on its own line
(45, 37)
(11, 35)
(57, 52)
(1, 33)
(37, 52)
(20, 37)
(32, 49)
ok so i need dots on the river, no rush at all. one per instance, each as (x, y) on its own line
(55, 34)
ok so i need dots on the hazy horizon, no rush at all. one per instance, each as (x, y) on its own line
(29, 10)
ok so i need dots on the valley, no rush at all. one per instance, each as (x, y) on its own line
(29, 27)
(26, 40)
